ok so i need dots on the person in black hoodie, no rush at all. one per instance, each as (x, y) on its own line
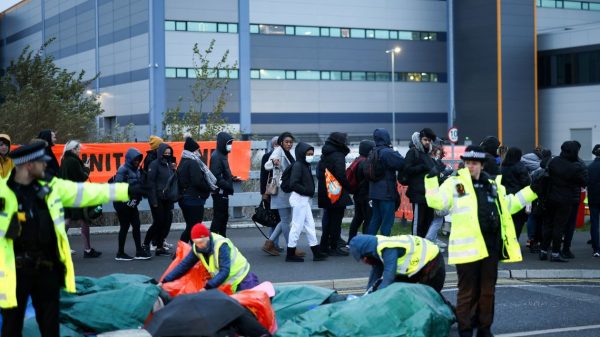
(593, 193)
(515, 177)
(303, 189)
(567, 176)
(50, 137)
(219, 166)
(193, 187)
(490, 145)
(333, 158)
(159, 172)
(362, 210)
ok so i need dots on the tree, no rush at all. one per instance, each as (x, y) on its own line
(209, 88)
(35, 94)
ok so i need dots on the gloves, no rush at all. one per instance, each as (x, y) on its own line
(433, 172)
(137, 191)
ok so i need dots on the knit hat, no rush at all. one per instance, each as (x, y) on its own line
(338, 138)
(596, 150)
(199, 231)
(427, 132)
(474, 152)
(190, 145)
(154, 142)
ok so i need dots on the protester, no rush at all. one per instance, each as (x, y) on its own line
(159, 172)
(151, 155)
(533, 159)
(403, 258)
(333, 159)
(127, 212)
(417, 164)
(220, 257)
(278, 162)
(219, 166)
(49, 136)
(362, 210)
(74, 169)
(437, 154)
(384, 192)
(490, 145)
(569, 229)
(35, 253)
(536, 217)
(303, 189)
(515, 178)
(593, 193)
(264, 173)
(481, 235)
(193, 187)
(6, 164)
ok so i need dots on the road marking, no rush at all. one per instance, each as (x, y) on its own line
(549, 331)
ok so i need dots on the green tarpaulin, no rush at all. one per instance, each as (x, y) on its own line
(291, 301)
(398, 310)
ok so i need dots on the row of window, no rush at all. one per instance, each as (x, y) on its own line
(353, 33)
(568, 4)
(311, 75)
(576, 68)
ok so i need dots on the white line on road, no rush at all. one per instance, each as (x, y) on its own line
(548, 331)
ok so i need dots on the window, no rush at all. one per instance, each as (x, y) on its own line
(549, 3)
(170, 73)
(594, 6)
(370, 76)
(290, 30)
(232, 27)
(325, 75)
(192, 73)
(345, 32)
(382, 34)
(324, 31)
(394, 35)
(254, 29)
(223, 73)
(357, 33)
(272, 74)
(222, 28)
(359, 76)
(271, 29)
(307, 31)
(370, 33)
(254, 74)
(335, 75)
(308, 75)
(180, 25)
(382, 76)
(335, 32)
(290, 75)
(572, 4)
(169, 25)
(345, 76)
(234, 74)
(181, 72)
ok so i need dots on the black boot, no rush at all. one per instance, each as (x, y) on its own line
(555, 257)
(318, 255)
(291, 255)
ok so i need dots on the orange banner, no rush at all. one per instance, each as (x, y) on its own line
(106, 158)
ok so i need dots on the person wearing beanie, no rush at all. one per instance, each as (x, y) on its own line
(52, 167)
(154, 142)
(491, 145)
(481, 236)
(593, 193)
(219, 257)
(193, 187)
(418, 163)
(6, 164)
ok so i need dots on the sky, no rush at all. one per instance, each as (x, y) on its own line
(4, 4)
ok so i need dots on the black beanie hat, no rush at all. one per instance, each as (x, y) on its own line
(596, 150)
(190, 145)
(427, 132)
(338, 138)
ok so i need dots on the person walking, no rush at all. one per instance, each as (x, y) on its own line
(515, 177)
(52, 167)
(383, 192)
(219, 166)
(6, 164)
(536, 163)
(437, 154)
(194, 187)
(362, 209)
(159, 172)
(34, 248)
(74, 169)
(303, 189)
(152, 154)
(418, 163)
(491, 145)
(127, 212)
(333, 159)
(593, 194)
(482, 234)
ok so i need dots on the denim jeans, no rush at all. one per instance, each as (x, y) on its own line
(595, 220)
(382, 217)
(435, 227)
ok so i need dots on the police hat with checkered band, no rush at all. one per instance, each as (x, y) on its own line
(474, 152)
(28, 153)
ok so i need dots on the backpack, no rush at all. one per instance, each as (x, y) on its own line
(540, 182)
(285, 179)
(171, 190)
(351, 174)
(374, 169)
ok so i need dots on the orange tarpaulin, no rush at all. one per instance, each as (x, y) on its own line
(105, 158)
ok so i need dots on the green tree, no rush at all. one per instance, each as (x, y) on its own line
(35, 94)
(208, 99)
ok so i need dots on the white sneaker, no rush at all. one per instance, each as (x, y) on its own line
(167, 245)
(152, 247)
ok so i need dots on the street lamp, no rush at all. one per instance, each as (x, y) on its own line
(392, 53)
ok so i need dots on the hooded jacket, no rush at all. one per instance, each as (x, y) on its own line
(333, 158)
(158, 174)
(418, 163)
(191, 179)
(531, 161)
(364, 148)
(72, 168)
(385, 188)
(514, 173)
(567, 175)
(301, 179)
(490, 145)
(219, 164)
(6, 163)
(593, 185)
(52, 167)
(128, 173)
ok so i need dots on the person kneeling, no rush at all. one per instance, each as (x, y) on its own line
(221, 259)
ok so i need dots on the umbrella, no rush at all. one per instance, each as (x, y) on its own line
(200, 314)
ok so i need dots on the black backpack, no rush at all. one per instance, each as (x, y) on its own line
(540, 182)
(285, 180)
(374, 168)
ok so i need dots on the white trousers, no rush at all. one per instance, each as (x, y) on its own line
(302, 220)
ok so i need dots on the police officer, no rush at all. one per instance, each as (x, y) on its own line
(482, 234)
(35, 257)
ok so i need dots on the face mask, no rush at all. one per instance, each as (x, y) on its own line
(309, 159)
(228, 147)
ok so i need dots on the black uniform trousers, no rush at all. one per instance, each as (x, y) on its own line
(43, 285)
(192, 215)
(220, 214)
(332, 228)
(555, 221)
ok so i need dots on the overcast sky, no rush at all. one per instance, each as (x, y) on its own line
(4, 4)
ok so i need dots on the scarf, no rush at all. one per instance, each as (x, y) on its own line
(208, 176)
(289, 156)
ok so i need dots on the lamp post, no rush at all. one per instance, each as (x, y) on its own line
(393, 53)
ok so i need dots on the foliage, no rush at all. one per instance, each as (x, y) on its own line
(119, 134)
(36, 94)
(207, 102)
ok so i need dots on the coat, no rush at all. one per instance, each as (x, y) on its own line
(219, 164)
(301, 179)
(281, 199)
(593, 183)
(192, 182)
(52, 167)
(514, 176)
(333, 158)
(386, 188)
(417, 164)
(72, 168)
(567, 175)
(159, 172)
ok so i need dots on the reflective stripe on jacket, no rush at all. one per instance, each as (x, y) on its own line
(239, 265)
(63, 193)
(418, 252)
(466, 242)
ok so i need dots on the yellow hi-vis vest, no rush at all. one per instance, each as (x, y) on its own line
(419, 252)
(466, 243)
(64, 193)
(239, 265)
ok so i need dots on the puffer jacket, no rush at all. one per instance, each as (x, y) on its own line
(567, 175)
(594, 182)
(514, 173)
(158, 174)
(417, 164)
(191, 179)
(333, 158)
(301, 179)
(385, 188)
(219, 164)
(531, 161)
(128, 173)
(364, 148)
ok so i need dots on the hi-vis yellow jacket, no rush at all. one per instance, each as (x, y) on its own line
(63, 193)
(419, 252)
(457, 196)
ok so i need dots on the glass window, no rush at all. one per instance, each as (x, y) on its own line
(308, 75)
(345, 32)
(382, 34)
(290, 30)
(307, 31)
(212, 73)
(572, 4)
(170, 73)
(382, 76)
(407, 35)
(234, 73)
(193, 26)
(549, 3)
(370, 33)
(538, 2)
(425, 77)
(290, 75)
(192, 73)
(325, 75)
(585, 6)
(169, 25)
(335, 75)
(254, 74)
(414, 77)
(324, 31)
(272, 74)
(232, 27)
(180, 25)
(254, 29)
(370, 76)
(357, 33)
(222, 28)
(335, 32)
(433, 77)
(345, 76)
(272, 29)
(594, 6)
(359, 75)
(394, 34)
(223, 73)
(181, 72)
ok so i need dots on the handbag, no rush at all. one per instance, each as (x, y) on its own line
(266, 217)
(272, 183)
(334, 189)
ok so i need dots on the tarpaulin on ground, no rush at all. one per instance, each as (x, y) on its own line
(292, 300)
(105, 158)
(259, 303)
(400, 309)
